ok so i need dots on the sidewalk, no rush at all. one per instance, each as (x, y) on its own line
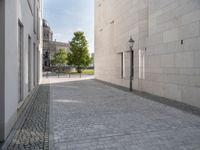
(32, 128)
(84, 114)
(89, 115)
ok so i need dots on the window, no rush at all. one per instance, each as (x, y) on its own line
(34, 17)
(141, 64)
(46, 54)
(29, 63)
(34, 64)
(2, 67)
(37, 64)
(30, 5)
(45, 63)
(122, 65)
(20, 61)
(38, 24)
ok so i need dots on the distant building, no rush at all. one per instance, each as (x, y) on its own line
(92, 59)
(47, 37)
(50, 47)
(55, 46)
(20, 58)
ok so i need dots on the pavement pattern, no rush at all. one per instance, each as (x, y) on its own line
(33, 131)
(89, 115)
(84, 114)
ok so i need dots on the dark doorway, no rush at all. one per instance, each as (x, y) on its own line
(2, 68)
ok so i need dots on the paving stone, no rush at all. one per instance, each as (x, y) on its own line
(33, 133)
(89, 115)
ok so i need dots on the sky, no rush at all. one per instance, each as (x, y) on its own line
(68, 16)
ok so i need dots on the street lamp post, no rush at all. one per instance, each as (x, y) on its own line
(131, 44)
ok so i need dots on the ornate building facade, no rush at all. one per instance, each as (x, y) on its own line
(50, 47)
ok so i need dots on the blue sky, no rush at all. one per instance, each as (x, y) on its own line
(67, 16)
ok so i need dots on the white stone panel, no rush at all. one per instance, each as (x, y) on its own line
(172, 91)
(168, 60)
(170, 36)
(191, 95)
(184, 59)
(169, 33)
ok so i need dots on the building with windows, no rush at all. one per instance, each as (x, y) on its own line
(20, 58)
(47, 37)
(50, 47)
(166, 60)
(92, 60)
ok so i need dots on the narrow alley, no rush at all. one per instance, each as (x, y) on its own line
(85, 114)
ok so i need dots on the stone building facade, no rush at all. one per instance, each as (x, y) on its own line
(50, 47)
(167, 46)
(20, 56)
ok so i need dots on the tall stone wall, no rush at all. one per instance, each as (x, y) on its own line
(167, 46)
(173, 56)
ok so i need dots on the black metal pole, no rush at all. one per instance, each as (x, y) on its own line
(133, 74)
(59, 72)
(131, 69)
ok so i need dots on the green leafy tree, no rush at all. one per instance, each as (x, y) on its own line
(79, 56)
(59, 58)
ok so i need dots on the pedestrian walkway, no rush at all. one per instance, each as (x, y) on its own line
(89, 115)
(84, 114)
(32, 129)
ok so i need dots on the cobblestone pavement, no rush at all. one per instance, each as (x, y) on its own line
(33, 131)
(88, 115)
